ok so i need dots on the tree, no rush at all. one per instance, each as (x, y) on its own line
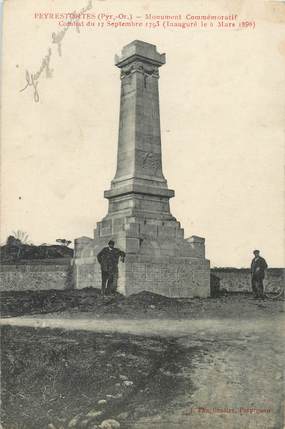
(22, 236)
(63, 241)
(13, 247)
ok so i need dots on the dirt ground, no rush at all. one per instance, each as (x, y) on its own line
(143, 305)
(148, 363)
(148, 306)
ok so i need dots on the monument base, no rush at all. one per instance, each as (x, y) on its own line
(158, 258)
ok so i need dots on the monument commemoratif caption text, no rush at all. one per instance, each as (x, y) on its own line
(158, 258)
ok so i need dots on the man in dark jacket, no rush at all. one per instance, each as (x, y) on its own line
(258, 267)
(108, 258)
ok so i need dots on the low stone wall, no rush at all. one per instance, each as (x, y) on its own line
(239, 279)
(36, 275)
(58, 274)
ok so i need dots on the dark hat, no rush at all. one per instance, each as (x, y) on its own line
(111, 242)
(256, 251)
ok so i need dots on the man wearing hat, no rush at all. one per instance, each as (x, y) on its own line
(258, 267)
(108, 258)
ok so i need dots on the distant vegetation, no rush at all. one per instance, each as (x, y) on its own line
(17, 248)
(22, 236)
(63, 241)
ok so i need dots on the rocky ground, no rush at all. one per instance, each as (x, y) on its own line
(145, 362)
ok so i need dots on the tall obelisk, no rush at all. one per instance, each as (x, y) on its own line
(139, 167)
(159, 259)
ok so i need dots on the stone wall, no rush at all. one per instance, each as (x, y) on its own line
(57, 274)
(36, 275)
(239, 279)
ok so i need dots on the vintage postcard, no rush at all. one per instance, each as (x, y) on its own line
(142, 214)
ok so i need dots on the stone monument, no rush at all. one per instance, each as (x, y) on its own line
(158, 258)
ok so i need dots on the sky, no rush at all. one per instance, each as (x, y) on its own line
(222, 123)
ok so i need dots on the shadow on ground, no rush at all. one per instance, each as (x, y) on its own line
(75, 378)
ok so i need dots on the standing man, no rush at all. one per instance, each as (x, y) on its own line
(258, 267)
(108, 258)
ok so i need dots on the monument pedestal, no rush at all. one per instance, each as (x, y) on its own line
(158, 258)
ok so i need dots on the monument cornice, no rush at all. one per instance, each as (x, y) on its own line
(139, 189)
(120, 63)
